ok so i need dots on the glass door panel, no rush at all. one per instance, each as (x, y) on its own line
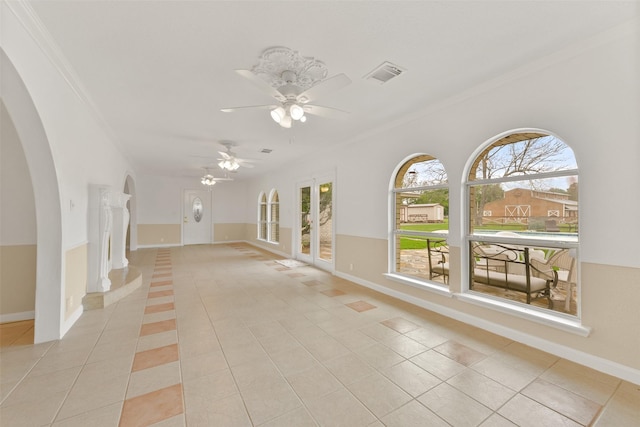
(325, 221)
(315, 237)
(305, 221)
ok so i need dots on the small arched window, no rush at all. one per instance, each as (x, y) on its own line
(421, 209)
(274, 218)
(523, 222)
(262, 216)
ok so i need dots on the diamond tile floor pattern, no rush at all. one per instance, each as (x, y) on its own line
(222, 335)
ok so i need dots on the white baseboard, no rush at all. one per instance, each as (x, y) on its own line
(17, 317)
(163, 245)
(68, 323)
(595, 362)
(273, 251)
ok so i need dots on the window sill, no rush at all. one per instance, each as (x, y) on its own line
(558, 321)
(427, 286)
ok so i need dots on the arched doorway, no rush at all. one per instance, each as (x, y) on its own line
(132, 230)
(18, 239)
(49, 279)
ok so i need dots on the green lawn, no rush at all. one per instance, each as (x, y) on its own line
(417, 242)
(426, 227)
(420, 243)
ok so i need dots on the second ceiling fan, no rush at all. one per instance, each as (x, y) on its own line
(228, 160)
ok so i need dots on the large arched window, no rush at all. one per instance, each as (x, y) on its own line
(421, 209)
(523, 223)
(262, 216)
(274, 217)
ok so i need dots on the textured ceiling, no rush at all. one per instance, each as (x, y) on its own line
(159, 72)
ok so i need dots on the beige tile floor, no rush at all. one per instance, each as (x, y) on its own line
(223, 335)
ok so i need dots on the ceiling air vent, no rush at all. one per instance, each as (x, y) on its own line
(266, 150)
(383, 73)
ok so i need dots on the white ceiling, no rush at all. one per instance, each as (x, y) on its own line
(160, 71)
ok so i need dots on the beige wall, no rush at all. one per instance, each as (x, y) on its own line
(75, 286)
(17, 279)
(159, 234)
(283, 246)
(609, 296)
(18, 233)
(229, 232)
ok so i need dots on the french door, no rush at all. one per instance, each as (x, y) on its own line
(315, 225)
(196, 217)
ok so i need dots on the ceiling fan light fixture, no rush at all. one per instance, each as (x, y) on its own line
(293, 80)
(208, 180)
(303, 119)
(277, 114)
(286, 122)
(296, 112)
(229, 165)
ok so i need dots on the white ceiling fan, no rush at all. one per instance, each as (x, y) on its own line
(228, 160)
(209, 180)
(294, 81)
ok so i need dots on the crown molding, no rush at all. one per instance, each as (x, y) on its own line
(629, 28)
(30, 21)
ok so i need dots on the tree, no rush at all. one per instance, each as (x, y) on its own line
(557, 190)
(440, 195)
(326, 203)
(573, 191)
(522, 157)
(425, 173)
(530, 156)
(486, 194)
(325, 208)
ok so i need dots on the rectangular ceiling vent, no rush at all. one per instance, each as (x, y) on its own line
(385, 72)
(266, 150)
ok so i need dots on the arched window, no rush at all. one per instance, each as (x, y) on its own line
(262, 216)
(274, 217)
(421, 209)
(523, 222)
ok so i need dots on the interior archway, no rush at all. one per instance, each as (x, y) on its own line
(132, 232)
(49, 279)
(18, 234)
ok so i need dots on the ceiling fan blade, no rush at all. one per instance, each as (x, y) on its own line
(328, 85)
(321, 111)
(245, 165)
(250, 107)
(225, 156)
(264, 86)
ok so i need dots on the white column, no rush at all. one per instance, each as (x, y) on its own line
(102, 244)
(119, 235)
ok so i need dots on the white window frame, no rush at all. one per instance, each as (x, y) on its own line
(270, 220)
(396, 232)
(262, 216)
(555, 319)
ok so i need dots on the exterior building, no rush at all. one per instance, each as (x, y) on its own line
(423, 212)
(520, 205)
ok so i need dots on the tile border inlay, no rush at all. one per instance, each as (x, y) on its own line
(159, 405)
